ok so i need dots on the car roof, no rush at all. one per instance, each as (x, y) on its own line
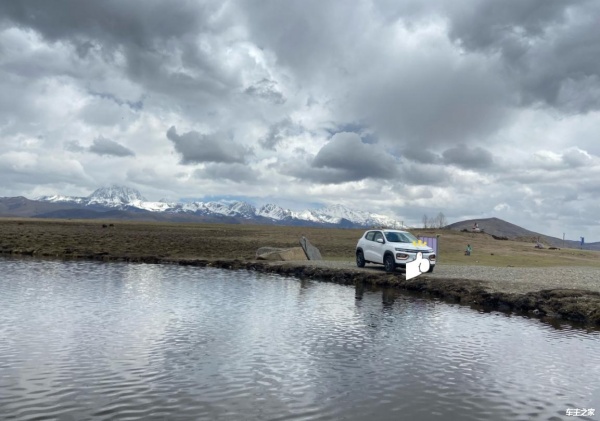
(389, 230)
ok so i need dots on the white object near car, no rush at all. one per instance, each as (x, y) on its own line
(392, 249)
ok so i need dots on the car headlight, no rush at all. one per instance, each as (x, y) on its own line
(404, 250)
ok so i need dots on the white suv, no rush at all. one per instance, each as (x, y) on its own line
(392, 248)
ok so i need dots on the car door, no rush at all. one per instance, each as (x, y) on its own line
(368, 246)
(378, 247)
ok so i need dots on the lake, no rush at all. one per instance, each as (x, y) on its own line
(98, 341)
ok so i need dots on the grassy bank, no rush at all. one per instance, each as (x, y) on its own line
(84, 238)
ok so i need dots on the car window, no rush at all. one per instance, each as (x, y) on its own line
(400, 237)
(408, 237)
(378, 235)
(370, 235)
(394, 237)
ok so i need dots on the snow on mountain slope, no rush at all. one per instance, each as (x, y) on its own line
(246, 210)
(115, 196)
(334, 214)
(57, 198)
(274, 212)
(152, 206)
(121, 197)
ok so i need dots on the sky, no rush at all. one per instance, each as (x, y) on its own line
(471, 108)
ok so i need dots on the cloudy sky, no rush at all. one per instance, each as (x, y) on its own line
(472, 108)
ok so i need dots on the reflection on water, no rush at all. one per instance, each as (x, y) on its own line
(82, 340)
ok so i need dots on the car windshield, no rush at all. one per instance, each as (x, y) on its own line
(400, 237)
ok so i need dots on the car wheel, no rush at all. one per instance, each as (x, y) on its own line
(388, 263)
(430, 268)
(360, 259)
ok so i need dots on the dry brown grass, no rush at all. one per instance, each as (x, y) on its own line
(80, 238)
(490, 252)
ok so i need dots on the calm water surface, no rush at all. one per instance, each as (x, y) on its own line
(93, 341)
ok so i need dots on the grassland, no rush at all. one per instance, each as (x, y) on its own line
(85, 238)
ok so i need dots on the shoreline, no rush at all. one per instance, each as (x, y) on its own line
(568, 304)
(514, 278)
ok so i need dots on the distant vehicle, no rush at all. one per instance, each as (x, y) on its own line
(391, 248)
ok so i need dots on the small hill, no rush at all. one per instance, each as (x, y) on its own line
(500, 228)
(494, 226)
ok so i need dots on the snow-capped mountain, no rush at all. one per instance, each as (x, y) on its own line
(115, 196)
(125, 198)
(334, 214)
(274, 212)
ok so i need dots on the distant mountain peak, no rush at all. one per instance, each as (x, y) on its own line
(115, 194)
(274, 212)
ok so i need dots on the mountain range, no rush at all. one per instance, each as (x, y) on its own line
(120, 202)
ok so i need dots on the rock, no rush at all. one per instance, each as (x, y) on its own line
(267, 250)
(312, 253)
(280, 254)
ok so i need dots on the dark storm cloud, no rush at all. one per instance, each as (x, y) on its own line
(320, 175)
(486, 24)
(160, 42)
(346, 151)
(425, 175)
(196, 147)
(109, 22)
(238, 173)
(346, 158)
(422, 156)
(468, 157)
(102, 146)
(550, 47)
(267, 90)
(310, 38)
(575, 157)
(435, 103)
(436, 97)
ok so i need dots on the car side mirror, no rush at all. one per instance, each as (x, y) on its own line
(380, 240)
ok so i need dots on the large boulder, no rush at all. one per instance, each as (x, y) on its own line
(267, 250)
(280, 254)
(312, 253)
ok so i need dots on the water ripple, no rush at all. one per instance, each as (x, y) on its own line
(82, 340)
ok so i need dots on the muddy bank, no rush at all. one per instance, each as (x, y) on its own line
(567, 304)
